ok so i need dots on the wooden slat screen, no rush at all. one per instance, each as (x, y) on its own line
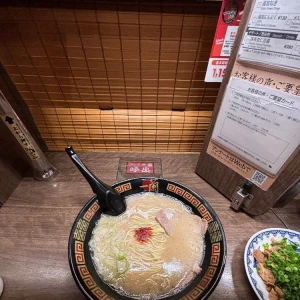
(92, 129)
(110, 77)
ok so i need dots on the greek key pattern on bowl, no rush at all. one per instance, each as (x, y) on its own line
(211, 271)
(79, 254)
(183, 193)
(79, 236)
(100, 294)
(205, 281)
(79, 257)
(89, 282)
(208, 276)
(91, 211)
(193, 200)
(123, 187)
(176, 189)
(194, 294)
(78, 247)
(205, 213)
(215, 256)
(83, 270)
(190, 198)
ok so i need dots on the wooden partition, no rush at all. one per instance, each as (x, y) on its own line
(13, 162)
(125, 76)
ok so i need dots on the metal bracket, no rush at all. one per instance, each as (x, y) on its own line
(240, 198)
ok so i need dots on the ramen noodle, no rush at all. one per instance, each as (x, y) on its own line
(151, 251)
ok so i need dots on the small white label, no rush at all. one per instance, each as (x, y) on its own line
(216, 69)
(229, 40)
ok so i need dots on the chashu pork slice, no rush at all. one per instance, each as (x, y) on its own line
(266, 274)
(259, 256)
(164, 218)
(199, 225)
(165, 215)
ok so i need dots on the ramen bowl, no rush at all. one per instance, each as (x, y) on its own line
(80, 258)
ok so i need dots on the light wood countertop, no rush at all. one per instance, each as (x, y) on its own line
(36, 221)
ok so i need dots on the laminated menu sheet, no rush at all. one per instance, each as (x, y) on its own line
(261, 125)
(272, 36)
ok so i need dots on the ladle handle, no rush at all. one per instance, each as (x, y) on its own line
(108, 198)
(93, 181)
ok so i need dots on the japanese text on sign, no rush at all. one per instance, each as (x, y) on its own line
(254, 77)
(139, 167)
(240, 166)
(228, 22)
(231, 159)
(273, 34)
(21, 136)
(259, 124)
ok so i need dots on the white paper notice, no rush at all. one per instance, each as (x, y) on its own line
(229, 40)
(259, 124)
(273, 34)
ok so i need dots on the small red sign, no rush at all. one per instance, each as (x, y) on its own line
(134, 167)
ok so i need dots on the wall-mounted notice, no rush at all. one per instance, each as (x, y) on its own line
(272, 36)
(228, 23)
(240, 166)
(259, 124)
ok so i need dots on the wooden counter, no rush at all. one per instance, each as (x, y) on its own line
(36, 220)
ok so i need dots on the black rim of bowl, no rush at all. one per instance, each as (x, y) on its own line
(193, 290)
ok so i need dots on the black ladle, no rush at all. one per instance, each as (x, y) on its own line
(112, 202)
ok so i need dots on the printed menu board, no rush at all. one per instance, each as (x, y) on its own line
(272, 35)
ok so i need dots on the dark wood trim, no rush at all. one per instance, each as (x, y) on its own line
(13, 163)
(171, 6)
(289, 194)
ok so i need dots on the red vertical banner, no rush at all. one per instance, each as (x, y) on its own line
(228, 23)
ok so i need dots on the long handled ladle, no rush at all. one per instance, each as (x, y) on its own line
(112, 202)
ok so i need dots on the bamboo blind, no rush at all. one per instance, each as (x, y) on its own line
(93, 129)
(115, 76)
